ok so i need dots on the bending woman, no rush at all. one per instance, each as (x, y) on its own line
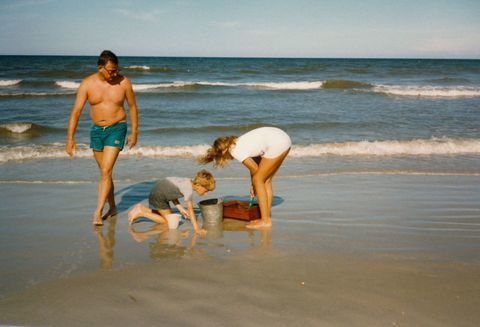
(262, 151)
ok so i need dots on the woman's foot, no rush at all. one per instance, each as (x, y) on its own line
(259, 223)
(134, 213)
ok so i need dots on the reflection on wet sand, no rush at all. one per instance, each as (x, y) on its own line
(169, 243)
(174, 243)
(106, 243)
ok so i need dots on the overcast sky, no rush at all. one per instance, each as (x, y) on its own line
(243, 28)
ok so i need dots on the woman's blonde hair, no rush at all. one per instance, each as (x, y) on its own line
(219, 152)
(205, 179)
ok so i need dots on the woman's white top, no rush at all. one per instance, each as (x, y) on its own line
(266, 142)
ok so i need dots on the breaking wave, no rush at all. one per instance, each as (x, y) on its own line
(10, 82)
(419, 147)
(24, 130)
(428, 91)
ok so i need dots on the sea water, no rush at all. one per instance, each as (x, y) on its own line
(378, 116)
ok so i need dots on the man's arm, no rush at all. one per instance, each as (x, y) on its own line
(132, 106)
(77, 108)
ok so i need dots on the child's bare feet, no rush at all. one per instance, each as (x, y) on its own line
(134, 213)
(259, 223)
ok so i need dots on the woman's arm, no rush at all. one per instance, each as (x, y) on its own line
(252, 166)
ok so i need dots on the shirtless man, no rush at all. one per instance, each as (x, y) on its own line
(106, 92)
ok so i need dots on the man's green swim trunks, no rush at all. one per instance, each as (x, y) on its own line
(113, 135)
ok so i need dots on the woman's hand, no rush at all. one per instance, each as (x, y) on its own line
(252, 192)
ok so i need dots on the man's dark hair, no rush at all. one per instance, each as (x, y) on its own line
(107, 56)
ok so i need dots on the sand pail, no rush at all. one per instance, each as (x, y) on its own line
(173, 219)
(212, 212)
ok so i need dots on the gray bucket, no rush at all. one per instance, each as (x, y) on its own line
(212, 212)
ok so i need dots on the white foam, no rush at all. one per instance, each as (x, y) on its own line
(261, 85)
(68, 84)
(433, 146)
(420, 147)
(17, 128)
(428, 91)
(9, 82)
(139, 67)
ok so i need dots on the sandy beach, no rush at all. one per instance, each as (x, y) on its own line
(360, 249)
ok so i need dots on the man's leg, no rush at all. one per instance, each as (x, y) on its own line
(105, 160)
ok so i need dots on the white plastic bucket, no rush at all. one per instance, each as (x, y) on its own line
(173, 219)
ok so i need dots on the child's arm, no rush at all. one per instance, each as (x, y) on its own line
(181, 209)
(193, 219)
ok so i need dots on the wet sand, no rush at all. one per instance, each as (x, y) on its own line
(344, 250)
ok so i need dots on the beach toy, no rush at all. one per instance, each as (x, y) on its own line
(212, 212)
(242, 210)
(173, 219)
(252, 202)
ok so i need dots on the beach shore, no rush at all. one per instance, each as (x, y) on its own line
(362, 250)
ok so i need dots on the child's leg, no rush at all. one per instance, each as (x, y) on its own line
(266, 170)
(141, 211)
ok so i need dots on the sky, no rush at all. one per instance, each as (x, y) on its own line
(243, 28)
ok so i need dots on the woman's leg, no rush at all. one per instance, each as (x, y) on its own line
(262, 181)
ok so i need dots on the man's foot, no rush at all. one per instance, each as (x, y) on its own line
(259, 223)
(110, 213)
(134, 213)
(97, 219)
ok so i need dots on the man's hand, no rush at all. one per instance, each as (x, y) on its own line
(132, 140)
(70, 147)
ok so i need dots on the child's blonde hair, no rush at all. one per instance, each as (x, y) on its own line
(205, 179)
(218, 153)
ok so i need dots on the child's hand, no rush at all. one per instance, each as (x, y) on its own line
(183, 212)
(201, 232)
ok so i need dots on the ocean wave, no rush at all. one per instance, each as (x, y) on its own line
(150, 69)
(428, 91)
(304, 85)
(24, 129)
(10, 82)
(344, 84)
(138, 67)
(68, 84)
(34, 94)
(419, 147)
(236, 129)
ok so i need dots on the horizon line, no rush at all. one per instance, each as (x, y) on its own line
(245, 57)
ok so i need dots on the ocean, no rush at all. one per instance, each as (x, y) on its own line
(369, 116)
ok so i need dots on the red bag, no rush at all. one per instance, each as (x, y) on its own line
(240, 210)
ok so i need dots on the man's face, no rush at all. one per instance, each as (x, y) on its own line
(109, 71)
